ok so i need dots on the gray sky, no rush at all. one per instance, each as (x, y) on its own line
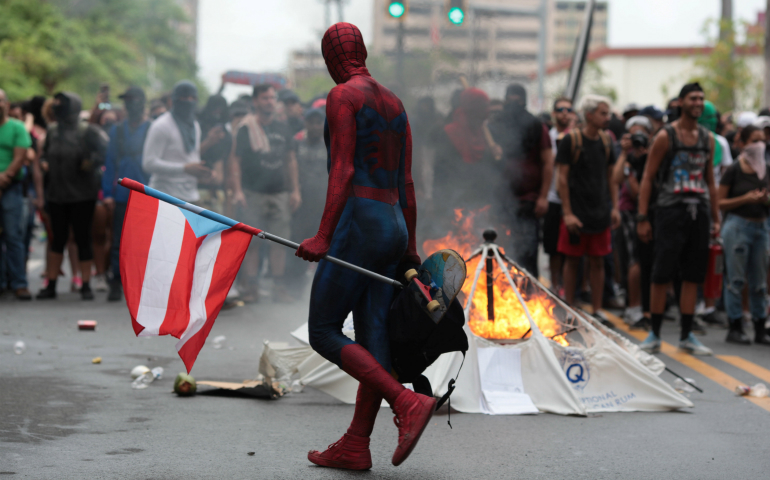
(257, 35)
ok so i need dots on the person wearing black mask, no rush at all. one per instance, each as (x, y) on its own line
(215, 147)
(74, 154)
(172, 150)
(527, 167)
(124, 160)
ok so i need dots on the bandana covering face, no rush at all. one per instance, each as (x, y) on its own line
(183, 112)
(754, 155)
(344, 51)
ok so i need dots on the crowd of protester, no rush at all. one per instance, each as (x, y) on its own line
(261, 158)
(626, 205)
(619, 231)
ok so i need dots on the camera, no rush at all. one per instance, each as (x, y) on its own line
(639, 140)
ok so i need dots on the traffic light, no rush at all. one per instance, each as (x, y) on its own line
(456, 11)
(398, 9)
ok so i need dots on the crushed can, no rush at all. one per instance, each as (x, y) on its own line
(712, 287)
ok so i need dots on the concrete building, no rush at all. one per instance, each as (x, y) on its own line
(306, 63)
(502, 46)
(647, 76)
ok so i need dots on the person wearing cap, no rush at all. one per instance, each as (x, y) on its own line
(311, 165)
(293, 110)
(654, 115)
(631, 110)
(123, 160)
(682, 158)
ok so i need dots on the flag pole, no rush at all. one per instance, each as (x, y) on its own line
(164, 197)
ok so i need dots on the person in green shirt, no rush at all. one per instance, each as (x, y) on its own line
(14, 142)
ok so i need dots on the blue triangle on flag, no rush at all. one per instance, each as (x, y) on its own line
(201, 225)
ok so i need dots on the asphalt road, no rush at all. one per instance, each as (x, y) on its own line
(63, 417)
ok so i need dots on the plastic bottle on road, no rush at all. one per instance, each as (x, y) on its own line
(19, 347)
(759, 390)
(146, 379)
(682, 386)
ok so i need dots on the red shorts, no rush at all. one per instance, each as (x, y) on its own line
(591, 244)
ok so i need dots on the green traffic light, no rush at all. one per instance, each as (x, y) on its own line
(456, 15)
(396, 9)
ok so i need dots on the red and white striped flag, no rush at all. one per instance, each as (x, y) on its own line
(177, 268)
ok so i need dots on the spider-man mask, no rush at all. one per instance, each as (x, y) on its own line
(344, 51)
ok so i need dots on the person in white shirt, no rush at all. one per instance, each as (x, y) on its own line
(172, 150)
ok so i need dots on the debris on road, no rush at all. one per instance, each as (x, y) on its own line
(19, 347)
(147, 378)
(684, 386)
(251, 388)
(138, 371)
(251, 453)
(219, 341)
(184, 385)
(86, 324)
(96, 360)
(759, 390)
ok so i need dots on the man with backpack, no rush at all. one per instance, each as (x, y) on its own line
(679, 184)
(589, 199)
(124, 159)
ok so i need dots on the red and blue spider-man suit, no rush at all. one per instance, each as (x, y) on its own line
(369, 220)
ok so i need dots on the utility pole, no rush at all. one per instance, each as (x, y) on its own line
(767, 55)
(541, 53)
(400, 53)
(726, 23)
(727, 35)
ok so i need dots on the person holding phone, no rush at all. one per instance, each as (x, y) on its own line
(743, 196)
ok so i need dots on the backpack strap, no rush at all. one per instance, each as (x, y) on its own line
(576, 144)
(665, 165)
(607, 142)
(447, 396)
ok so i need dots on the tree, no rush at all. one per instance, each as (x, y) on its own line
(48, 46)
(725, 76)
(42, 51)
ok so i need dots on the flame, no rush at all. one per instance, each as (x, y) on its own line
(510, 321)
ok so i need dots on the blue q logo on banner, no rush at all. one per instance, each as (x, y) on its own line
(575, 368)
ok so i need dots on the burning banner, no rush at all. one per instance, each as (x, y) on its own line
(529, 351)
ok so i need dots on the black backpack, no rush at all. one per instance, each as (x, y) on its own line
(416, 342)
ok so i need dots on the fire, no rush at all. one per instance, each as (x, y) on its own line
(510, 321)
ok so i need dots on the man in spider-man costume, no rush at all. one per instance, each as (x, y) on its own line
(369, 220)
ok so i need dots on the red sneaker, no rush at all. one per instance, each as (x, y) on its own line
(413, 412)
(349, 452)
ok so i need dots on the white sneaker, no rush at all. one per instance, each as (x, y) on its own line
(99, 283)
(632, 315)
(693, 346)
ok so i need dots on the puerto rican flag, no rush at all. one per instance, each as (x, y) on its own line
(177, 267)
